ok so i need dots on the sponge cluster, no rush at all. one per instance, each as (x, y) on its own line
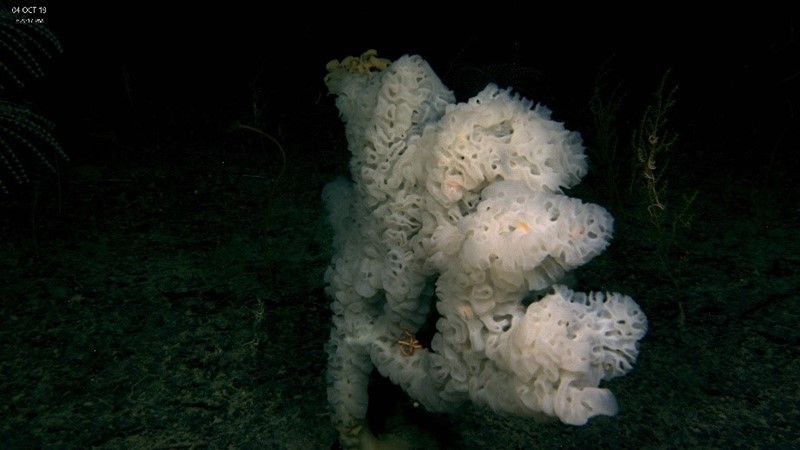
(461, 207)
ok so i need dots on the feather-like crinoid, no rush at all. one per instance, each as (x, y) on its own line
(25, 43)
(22, 129)
(25, 137)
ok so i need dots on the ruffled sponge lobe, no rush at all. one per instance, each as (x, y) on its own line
(588, 338)
(500, 136)
(516, 232)
(566, 344)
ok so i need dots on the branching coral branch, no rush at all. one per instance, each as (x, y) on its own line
(652, 141)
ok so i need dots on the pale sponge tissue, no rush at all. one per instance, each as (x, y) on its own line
(461, 207)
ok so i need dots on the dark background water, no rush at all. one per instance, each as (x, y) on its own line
(164, 289)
